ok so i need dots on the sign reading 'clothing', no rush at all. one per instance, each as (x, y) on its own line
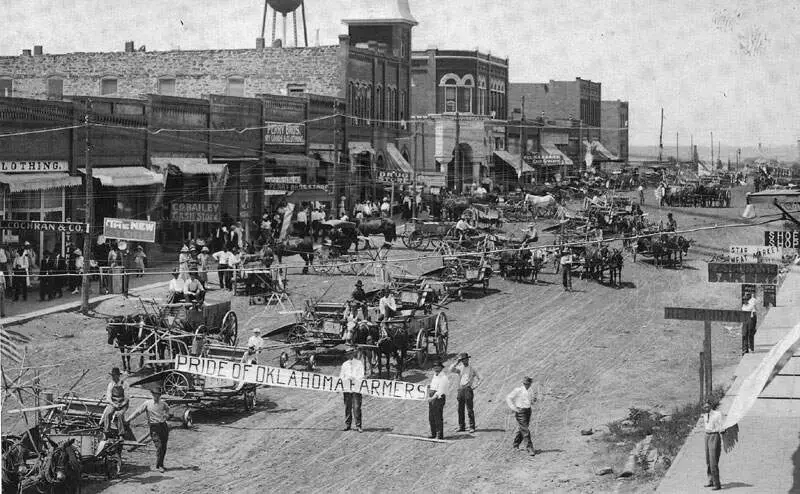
(289, 378)
(285, 133)
(33, 166)
(125, 229)
(196, 212)
(43, 226)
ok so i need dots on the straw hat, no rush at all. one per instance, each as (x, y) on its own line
(256, 330)
(184, 249)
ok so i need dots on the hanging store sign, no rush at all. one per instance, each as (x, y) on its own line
(43, 226)
(394, 177)
(285, 133)
(33, 166)
(295, 179)
(754, 253)
(542, 159)
(788, 240)
(729, 272)
(748, 290)
(196, 212)
(125, 229)
(770, 295)
(281, 184)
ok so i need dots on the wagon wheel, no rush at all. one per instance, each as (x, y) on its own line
(442, 334)
(422, 347)
(325, 264)
(297, 334)
(249, 396)
(229, 331)
(176, 384)
(415, 240)
(405, 238)
(198, 341)
(356, 267)
(284, 360)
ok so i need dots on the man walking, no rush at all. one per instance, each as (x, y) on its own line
(467, 382)
(749, 327)
(157, 414)
(566, 270)
(519, 400)
(437, 392)
(352, 373)
(712, 420)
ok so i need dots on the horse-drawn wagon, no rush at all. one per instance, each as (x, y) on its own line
(427, 234)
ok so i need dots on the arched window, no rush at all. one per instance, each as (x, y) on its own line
(368, 104)
(465, 94)
(481, 110)
(402, 104)
(449, 93)
(379, 104)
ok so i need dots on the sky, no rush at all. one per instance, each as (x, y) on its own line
(727, 66)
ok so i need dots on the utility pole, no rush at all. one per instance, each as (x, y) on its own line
(661, 139)
(87, 240)
(738, 156)
(414, 178)
(457, 158)
(712, 150)
(691, 148)
(521, 145)
(677, 148)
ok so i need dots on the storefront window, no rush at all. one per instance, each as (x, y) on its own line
(37, 205)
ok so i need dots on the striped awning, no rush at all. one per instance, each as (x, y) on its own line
(21, 182)
(397, 159)
(552, 150)
(514, 162)
(189, 166)
(125, 176)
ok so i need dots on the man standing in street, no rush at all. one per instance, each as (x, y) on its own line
(672, 225)
(641, 195)
(749, 327)
(352, 373)
(157, 414)
(566, 270)
(519, 400)
(437, 392)
(467, 382)
(712, 420)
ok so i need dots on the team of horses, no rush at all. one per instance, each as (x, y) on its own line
(704, 196)
(57, 468)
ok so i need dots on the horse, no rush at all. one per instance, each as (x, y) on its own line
(378, 226)
(393, 342)
(535, 203)
(126, 332)
(596, 257)
(677, 245)
(453, 207)
(515, 263)
(655, 246)
(365, 335)
(615, 267)
(304, 247)
(537, 261)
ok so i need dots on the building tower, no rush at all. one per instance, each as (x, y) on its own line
(284, 7)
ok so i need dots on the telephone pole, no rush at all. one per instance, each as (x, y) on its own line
(712, 150)
(87, 240)
(661, 139)
(457, 158)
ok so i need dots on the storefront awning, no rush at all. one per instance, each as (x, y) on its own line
(397, 159)
(125, 176)
(309, 195)
(552, 150)
(600, 151)
(361, 147)
(20, 182)
(514, 162)
(189, 166)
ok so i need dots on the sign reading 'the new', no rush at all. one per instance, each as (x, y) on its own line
(33, 166)
(125, 229)
(787, 240)
(196, 212)
(285, 133)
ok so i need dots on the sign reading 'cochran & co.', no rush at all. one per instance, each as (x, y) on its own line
(33, 166)
(196, 212)
(43, 226)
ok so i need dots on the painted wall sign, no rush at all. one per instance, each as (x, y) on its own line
(747, 290)
(394, 177)
(196, 212)
(788, 240)
(288, 378)
(730, 272)
(43, 226)
(125, 229)
(33, 166)
(285, 133)
(754, 253)
(691, 314)
(770, 295)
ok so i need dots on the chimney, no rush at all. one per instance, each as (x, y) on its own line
(277, 43)
(260, 43)
(129, 47)
(373, 45)
(26, 53)
(37, 49)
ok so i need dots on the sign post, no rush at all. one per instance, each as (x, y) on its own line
(707, 316)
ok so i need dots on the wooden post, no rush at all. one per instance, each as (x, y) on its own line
(707, 354)
(702, 378)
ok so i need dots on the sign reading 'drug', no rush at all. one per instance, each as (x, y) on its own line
(288, 378)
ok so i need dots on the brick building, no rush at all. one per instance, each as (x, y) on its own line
(459, 103)
(614, 127)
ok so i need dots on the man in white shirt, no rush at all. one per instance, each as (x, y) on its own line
(437, 392)
(712, 423)
(352, 372)
(387, 306)
(566, 270)
(468, 380)
(519, 400)
(749, 327)
(386, 208)
(256, 340)
(223, 258)
(176, 286)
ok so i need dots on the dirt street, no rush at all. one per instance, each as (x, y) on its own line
(597, 351)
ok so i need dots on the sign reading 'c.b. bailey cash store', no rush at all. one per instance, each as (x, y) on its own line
(33, 166)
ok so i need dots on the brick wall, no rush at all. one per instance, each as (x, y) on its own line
(614, 130)
(197, 73)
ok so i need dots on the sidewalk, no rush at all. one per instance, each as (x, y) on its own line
(767, 457)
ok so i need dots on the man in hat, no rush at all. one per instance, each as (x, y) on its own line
(176, 286)
(387, 306)
(672, 225)
(437, 392)
(193, 290)
(157, 412)
(77, 278)
(519, 400)
(359, 297)
(117, 402)
(712, 423)
(467, 382)
(749, 327)
(566, 269)
(255, 339)
(386, 208)
(351, 373)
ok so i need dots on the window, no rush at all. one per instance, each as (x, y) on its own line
(235, 86)
(449, 85)
(166, 86)
(108, 86)
(379, 104)
(295, 89)
(481, 96)
(465, 94)
(55, 88)
(6, 87)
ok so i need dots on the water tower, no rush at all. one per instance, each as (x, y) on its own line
(284, 7)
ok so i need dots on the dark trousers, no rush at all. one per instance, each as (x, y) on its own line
(352, 406)
(749, 335)
(224, 274)
(713, 449)
(465, 400)
(20, 284)
(566, 276)
(160, 435)
(523, 432)
(45, 281)
(436, 416)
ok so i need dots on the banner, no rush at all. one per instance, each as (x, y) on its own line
(196, 212)
(295, 379)
(754, 253)
(287, 220)
(729, 272)
(43, 226)
(33, 166)
(124, 229)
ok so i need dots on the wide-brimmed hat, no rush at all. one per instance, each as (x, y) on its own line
(115, 371)
(192, 248)
(256, 330)
(139, 247)
(462, 356)
(438, 364)
(527, 380)
(184, 249)
(359, 283)
(78, 252)
(204, 249)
